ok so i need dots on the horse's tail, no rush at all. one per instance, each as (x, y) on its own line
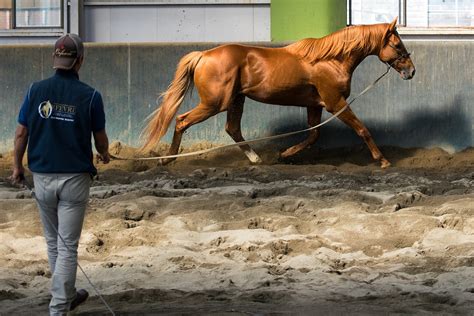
(161, 118)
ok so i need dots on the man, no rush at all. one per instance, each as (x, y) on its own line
(56, 121)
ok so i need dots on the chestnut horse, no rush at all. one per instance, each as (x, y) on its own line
(315, 73)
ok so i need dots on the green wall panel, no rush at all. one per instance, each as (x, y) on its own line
(296, 19)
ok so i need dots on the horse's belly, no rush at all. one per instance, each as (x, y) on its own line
(299, 96)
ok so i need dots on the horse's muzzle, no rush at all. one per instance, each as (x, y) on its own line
(407, 74)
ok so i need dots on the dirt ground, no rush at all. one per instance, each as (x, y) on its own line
(326, 232)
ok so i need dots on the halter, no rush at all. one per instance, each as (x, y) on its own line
(400, 54)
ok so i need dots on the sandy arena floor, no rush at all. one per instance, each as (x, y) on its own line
(327, 232)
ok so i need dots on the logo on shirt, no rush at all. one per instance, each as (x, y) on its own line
(56, 111)
(45, 109)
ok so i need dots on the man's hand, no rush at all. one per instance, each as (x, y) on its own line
(103, 158)
(102, 146)
(18, 175)
(20, 143)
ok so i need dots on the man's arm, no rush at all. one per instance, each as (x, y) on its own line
(20, 143)
(102, 145)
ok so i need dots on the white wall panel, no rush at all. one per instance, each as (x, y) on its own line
(229, 23)
(261, 23)
(131, 24)
(185, 24)
(177, 23)
(97, 25)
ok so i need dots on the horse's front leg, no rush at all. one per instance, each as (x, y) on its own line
(351, 120)
(314, 118)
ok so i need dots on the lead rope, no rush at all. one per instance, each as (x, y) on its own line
(31, 189)
(253, 141)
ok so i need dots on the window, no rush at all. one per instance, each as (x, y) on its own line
(373, 11)
(5, 14)
(413, 13)
(16, 14)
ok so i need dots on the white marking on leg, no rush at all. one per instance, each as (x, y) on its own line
(252, 156)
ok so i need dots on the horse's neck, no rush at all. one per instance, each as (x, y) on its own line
(355, 59)
(373, 37)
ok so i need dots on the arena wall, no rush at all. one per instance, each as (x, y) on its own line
(436, 108)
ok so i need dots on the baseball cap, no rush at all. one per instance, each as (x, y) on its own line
(67, 50)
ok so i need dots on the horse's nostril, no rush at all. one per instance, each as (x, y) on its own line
(413, 72)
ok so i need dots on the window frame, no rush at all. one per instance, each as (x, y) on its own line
(36, 31)
(423, 31)
(61, 19)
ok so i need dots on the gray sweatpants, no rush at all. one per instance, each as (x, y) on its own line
(62, 200)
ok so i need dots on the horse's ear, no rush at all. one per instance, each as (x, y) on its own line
(393, 25)
(390, 30)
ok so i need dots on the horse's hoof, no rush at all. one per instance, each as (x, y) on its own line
(384, 163)
(253, 157)
(256, 161)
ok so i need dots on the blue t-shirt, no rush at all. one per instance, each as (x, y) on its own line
(61, 113)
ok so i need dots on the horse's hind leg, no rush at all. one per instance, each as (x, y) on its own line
(232, 127)
(314, 118)
(186, 120)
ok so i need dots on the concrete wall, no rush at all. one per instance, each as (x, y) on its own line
(436, 108)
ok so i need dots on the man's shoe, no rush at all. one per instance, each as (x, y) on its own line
(81, 297)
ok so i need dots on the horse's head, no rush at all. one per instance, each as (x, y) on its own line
(395, 54)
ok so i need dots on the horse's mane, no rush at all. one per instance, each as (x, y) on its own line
(364, 38)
